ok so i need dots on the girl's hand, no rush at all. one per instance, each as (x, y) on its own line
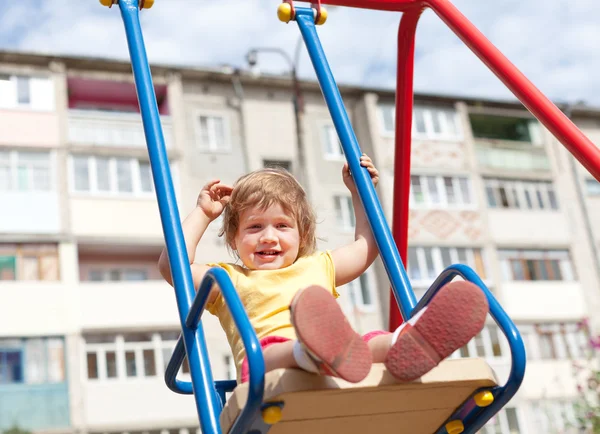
(213, 198)
(365, 161)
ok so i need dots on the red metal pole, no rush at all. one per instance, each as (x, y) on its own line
(404, 109)
(536, 102)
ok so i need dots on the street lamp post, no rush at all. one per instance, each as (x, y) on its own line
(297, 99)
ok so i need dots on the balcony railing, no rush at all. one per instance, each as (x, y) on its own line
(34, 407)
(513, 156)
(118, 129)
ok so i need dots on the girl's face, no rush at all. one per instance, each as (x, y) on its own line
(267, 239)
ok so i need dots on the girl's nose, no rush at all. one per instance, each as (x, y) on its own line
(268, 235)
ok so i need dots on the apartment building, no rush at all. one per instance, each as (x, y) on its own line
(87, 324)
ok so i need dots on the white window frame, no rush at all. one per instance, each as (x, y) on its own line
(158, 344)
(355, 291)
(332, 148)
(438, 264)
(569, 340)
(13, 163)
(567, 270)
(344, 220)
(113, 179)
(429, 112)
(515, 194)
(488, 346)
(501, 419)
(10, 100)
(212, 146)
(443, 203)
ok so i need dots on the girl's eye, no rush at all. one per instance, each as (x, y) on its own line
(254, 227)
(282, 225)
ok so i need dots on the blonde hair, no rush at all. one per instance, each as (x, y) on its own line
(264, 188)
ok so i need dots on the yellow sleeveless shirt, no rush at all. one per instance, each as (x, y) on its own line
(267, 295)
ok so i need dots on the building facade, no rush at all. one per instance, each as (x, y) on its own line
(87, 325)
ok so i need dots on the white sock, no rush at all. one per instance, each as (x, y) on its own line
(411, 321)
(302, 359)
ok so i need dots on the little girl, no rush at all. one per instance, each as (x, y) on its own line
(288, 289)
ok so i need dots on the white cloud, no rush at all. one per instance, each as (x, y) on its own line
(554, 42)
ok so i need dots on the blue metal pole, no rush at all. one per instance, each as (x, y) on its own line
(207, 401)
(385, 242)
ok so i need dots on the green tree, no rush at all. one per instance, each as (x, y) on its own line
(587, 373)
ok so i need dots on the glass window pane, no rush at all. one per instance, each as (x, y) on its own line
(219, 130)
(419, 120)
(435, 117)
(49, 270)
(102, 174)
(11, 366)
(204, 134)
(450, 193)
(414, 271)
(552, 198)
(8, 268)
(5, 177)
(518, 273)
(56, 360)
(81, 175)
(528, 198)
(489, 191)
(465, 190)
(135, 275)
(92, 366)
(23, 174)
(146, 178)
(30, 268)
(364, 289)
(496, 348)
(417, 189)
(23, 92)
(429, 260)
(446, 258)
(130, 363)
(124, 176)
(111, 364)
(149, 363)
(432, 188)
(35, 364)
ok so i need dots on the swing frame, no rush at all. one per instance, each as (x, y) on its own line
(210, 395)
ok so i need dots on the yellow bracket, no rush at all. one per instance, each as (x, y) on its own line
(455, 427)
(272, 414)
(483, 399)
(284, 13)
(143, 4)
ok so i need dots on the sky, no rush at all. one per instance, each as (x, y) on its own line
(555, 43)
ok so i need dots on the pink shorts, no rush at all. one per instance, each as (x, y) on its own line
(271, 340)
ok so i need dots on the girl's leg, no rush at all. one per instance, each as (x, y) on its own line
(278, 356)
(326, 339)
(453, 317)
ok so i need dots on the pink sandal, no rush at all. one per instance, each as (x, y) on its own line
(453, 317)
(328, 337)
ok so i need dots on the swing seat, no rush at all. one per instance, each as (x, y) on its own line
(314, 404)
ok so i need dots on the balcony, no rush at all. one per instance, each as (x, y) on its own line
(112, 129)
(34, 407)
(504, 155)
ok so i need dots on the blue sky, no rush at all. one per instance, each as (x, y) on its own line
(556, 43)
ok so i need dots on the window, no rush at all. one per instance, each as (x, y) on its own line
(440, 191)
(554, 415)
(32, 360)
(426, 263)
(555, 341)
(29, 262)
(20, 91)
(211, 133)
(117, 275)
(362, 291)
(505, 128)
(129, 355)
(428, 122)
(25, 171)
(523, 195)
(485, 345)
(281, 164)
(592, 186)
(331, 143)
(344, 212)
(230, 369)
(111, 176)
(536, 265)
(504, 422)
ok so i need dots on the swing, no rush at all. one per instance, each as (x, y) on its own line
(459, 395)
